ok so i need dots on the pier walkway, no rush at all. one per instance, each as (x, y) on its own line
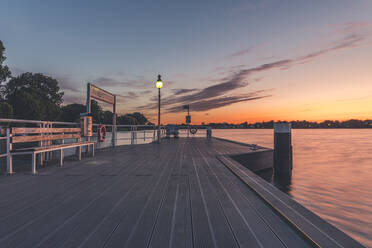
(181, 193)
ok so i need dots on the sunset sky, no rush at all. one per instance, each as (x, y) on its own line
(232, 61)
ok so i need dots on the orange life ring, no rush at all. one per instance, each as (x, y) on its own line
(101, 133)
(193, 130)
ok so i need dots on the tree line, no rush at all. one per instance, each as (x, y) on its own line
(34, 96)
(353, 123)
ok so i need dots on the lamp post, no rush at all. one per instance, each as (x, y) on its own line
(159, 85)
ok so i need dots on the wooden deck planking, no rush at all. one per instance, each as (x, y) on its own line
(247, 225)
(177, 194)
(288, 236)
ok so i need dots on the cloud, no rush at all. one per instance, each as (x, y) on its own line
(182, 91)
(138, 82)
(129, 95)
(349, 27)
(214, 96)
(145, 92)
(204, 105)
(355, 98)
(67, 83)
(350, 41)
(241, 52)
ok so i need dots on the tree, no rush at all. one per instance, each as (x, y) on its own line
(141, 119)
(34, 96)
(4, 70)
(107, 117)
(97, 112)
(71, 112)
(6, 111)
(127, 120)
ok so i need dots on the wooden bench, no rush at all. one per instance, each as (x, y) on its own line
(44, 137)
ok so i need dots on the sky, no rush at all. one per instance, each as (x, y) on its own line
(232, 61)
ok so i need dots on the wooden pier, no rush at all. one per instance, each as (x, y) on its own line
(184, 192)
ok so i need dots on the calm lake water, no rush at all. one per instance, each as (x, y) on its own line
(332, 174)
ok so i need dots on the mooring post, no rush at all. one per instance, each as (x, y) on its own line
(282, 149)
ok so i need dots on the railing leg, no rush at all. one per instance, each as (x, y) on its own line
(61, 158)
(79, 152)
(9, 158)
(93, 150)
(33, 163)
(131, 136)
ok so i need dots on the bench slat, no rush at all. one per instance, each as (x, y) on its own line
(38, 148)
(27, 130)
(33, 138)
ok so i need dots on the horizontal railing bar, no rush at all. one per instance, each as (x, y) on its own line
(37, 122)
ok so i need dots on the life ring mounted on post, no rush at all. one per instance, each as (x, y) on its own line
(193, 130)
(101, 133)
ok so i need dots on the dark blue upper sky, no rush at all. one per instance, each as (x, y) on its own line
(123, 45)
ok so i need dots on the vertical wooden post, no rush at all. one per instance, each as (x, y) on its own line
(282, 149)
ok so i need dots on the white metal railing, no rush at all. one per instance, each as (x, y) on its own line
(119, 135)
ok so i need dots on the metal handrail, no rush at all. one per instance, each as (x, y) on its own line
(36, 122)
(143, 130)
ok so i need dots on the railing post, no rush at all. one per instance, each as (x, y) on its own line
(41, 143)
(9, 159)
(209, 132)
(131, 135)
(113, 138)
(136, 130)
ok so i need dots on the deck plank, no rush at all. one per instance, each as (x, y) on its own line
(176, 194)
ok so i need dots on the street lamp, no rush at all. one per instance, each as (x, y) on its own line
(159, 85)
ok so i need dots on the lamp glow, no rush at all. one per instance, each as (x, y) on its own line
(159, 84)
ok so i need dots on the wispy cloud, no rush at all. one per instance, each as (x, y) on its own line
(349, 27)
(219, 95)
(241, 52)
(204, 105)
(182, 91)
(138, 82)
(68, 83)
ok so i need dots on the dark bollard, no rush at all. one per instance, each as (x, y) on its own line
(282, 149)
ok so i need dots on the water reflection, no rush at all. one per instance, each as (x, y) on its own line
(282, 182)
(332, 174)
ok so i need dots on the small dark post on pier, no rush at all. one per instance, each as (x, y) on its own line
(282, 149)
